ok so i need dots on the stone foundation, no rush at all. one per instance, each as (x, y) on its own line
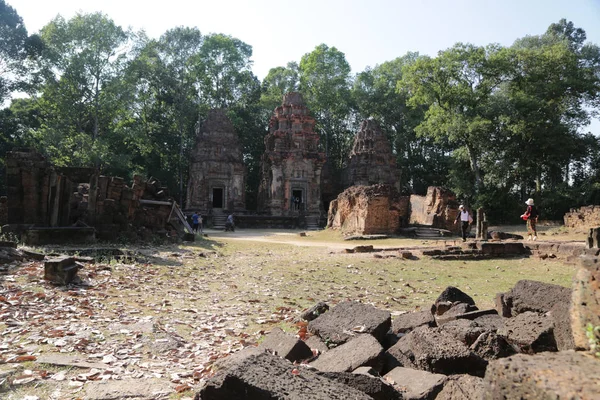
(437, 209)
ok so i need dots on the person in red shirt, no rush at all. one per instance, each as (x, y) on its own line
(531, 216)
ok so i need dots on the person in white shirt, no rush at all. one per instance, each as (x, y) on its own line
(465, 219)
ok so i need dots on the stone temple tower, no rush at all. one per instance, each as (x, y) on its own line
(371, 159)
(217, 173)
(291, 164)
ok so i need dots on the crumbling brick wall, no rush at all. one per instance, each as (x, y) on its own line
(583, 218)
(44, 196)
(366, 210)
(437, 209)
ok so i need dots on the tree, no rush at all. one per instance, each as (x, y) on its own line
(76, 84)
(279, 81)
(457, 87)
(553, 89)
(224, 66)
(325, 83)
(376, 96)
(15, 47)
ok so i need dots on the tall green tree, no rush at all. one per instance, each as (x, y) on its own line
(224, 65)
(325, 82)
(78, 74)
(553, 89)
(279, 81)
(456, 87)
(375, 95)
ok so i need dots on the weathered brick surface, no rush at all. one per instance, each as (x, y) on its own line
(407, 322)
(529, 295)
(585, 305)
(438, 209)
(530, 332)
(583, 218)
(216, 163)
(366, 210)
(462, 387)
(373, 386)
(291, 162)
(371, 159)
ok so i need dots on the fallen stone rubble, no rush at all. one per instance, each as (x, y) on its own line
(523, 349)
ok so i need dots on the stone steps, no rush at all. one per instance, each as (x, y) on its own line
(219, 221)
(312, 224)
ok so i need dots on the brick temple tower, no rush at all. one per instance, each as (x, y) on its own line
(291, 165)
(217, 173)
(371, 160)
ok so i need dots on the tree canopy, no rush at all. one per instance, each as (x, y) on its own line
(494, 124)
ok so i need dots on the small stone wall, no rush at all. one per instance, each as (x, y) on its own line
(367, 210)
(583, 218)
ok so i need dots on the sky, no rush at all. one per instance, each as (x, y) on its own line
(367, 32)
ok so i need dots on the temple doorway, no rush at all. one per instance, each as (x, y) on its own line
(217, 198)
(297, 200)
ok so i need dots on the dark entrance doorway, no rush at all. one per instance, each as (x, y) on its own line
(297, 202)
(217, 198)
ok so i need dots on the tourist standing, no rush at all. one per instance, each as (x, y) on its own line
(531, 216)
(195, 221)
(465, 219)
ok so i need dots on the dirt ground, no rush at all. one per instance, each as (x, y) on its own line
(153, 327)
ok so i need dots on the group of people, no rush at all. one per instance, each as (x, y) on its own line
(197, 223)
(530, 215)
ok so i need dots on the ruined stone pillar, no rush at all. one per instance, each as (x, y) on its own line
(482, 225)
(593, 239)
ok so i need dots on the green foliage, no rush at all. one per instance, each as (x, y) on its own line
(496, 125)
(325, 83)
(593, 335)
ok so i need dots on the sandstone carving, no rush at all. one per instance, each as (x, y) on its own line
(217, 173)
(371, 159)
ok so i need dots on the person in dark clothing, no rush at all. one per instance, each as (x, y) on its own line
(531, 216)
(230, 224)
(465, 219)
(195, 221)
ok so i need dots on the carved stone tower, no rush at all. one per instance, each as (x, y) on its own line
(371, 160)
(291, 165)
(217, 173)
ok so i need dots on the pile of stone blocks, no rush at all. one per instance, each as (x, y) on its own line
(522, 349)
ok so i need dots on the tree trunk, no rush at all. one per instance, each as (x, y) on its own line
(475, 168)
